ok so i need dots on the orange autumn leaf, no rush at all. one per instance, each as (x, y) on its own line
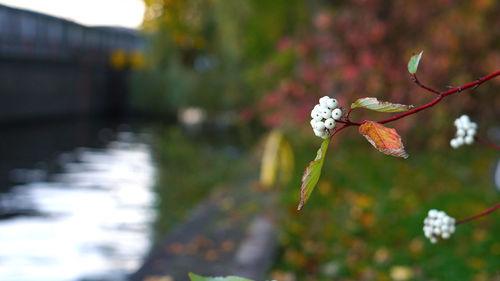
(386, 140)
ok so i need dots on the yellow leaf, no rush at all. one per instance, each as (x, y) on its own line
(277, 157)
(269, 164)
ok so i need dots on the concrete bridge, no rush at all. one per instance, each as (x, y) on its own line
(52, 67)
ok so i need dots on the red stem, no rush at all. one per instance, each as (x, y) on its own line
(349, 113)
(497, 206)
(441, 96)
(487, 143)
(348, 123)
(473, 85)
(415, 79)
(338, 130)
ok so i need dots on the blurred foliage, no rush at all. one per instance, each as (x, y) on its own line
(271, 60)
(201, 51)
(365, 219)
(361, 48)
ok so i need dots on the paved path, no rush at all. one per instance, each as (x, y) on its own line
(230, 233)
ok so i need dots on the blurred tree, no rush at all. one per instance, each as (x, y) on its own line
(202, 50)
(360, 48)
(273, 59)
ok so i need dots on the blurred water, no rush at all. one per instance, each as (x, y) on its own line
(90, 221)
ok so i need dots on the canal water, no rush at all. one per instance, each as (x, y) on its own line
(76, 202)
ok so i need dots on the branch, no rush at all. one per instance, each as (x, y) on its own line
(348, 123)
(497, 206)
(415, 79)
(338, 130)
(487, 143)
(455, 90)
(349, 114)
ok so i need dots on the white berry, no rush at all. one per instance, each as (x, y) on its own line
(466, 130)
(332, 103)
(323, 119)
(437, 225)
(325, 112)
(318, 133)
(465, 120)
(432, 213)
(314, 111)
(336, 113)
(469, 140)
(313, 122)
(319, 126)
(323, 100)
(330, 123)
(316, 116)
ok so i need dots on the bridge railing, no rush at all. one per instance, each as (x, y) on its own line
(30, 34)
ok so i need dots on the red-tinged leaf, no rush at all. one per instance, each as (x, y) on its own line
(386, 140)
(312, 173)
(380, 106)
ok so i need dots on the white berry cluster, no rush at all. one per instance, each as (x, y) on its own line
(324, 116)
(466, 130)
(438, 224)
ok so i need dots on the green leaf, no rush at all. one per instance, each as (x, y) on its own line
(312, 173)
(195, 277)
(413, 63)
(380, 106)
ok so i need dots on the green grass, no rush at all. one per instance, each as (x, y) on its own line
(364, 219)
(366, 215)
(189, 169)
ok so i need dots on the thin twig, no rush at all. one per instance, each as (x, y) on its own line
(415, 79)
(338, 130)
(441, 96)
(348, 122)
(349, 114)
(487, 143)
(497, 206)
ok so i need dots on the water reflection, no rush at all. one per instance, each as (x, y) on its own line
(92, 221)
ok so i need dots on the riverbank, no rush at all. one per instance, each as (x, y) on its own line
(233, 232)
(363, 221)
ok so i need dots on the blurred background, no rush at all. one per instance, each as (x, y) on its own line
(144, 139)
